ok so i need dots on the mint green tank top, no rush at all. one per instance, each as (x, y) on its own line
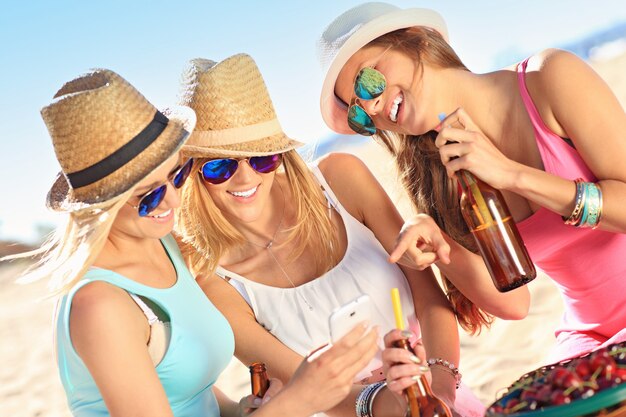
(201, 344)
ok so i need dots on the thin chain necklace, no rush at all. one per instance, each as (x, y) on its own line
(269, 245)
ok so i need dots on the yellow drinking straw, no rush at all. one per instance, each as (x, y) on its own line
(397, 308)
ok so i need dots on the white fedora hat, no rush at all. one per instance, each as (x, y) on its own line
(351, 31)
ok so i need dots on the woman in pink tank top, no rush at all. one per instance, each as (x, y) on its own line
(548, 133)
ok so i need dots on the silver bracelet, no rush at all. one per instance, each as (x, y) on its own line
(379, 388)
(363, 400)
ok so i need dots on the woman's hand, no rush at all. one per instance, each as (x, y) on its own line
(249, 403)
(402, 367)
(420, 244)
(462, 145)
(325, 377)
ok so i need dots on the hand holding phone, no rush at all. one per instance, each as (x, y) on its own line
(344, 318)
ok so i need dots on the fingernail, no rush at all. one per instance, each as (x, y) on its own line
(424, 368)
(257, 401)
(266, 399)
(406, 334)
(415, 359)
(441, 117)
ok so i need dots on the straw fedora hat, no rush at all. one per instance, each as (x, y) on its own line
(235, 115)
(107, 138)
(351, 31)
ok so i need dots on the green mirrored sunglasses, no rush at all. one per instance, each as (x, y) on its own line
(368, 84)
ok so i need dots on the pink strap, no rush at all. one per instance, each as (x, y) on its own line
(535, 118)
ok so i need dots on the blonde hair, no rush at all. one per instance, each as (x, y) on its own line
(72, 248)
(418, 161)
(207, 235)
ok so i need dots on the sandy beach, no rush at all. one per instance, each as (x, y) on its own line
(30, 387)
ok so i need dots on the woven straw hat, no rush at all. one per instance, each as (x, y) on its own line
(234, 110)
(351, 31)
(107, 138)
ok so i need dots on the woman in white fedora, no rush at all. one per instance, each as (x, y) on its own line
(128, 341)
(547, 132)
(278, 245)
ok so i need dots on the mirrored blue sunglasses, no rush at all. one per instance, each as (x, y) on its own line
(217, 171)
(151, 200)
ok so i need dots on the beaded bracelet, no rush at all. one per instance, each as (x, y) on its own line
(448, 367)
(363, 404)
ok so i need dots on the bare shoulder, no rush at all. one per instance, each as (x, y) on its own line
(556, 66)
(352, 182)
(97, 296)
(213, 285)
(223, 295)
(99, 306)
(342, 169)
(559, 83)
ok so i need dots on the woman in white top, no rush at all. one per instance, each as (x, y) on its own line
(277, 250)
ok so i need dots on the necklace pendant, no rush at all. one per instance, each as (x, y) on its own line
(269, 245)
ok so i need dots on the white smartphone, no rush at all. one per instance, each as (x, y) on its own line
(344, 318)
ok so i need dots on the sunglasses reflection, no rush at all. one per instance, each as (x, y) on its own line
(218, 171)
(151, 200)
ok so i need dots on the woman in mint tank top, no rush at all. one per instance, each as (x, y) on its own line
(129, 338)
(547, 132)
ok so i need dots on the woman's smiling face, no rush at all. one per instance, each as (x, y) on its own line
(243, 197)
(159, 222)
(398, 108)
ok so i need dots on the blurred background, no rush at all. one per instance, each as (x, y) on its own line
(47, 43)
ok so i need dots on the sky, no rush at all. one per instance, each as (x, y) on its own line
(46, 43)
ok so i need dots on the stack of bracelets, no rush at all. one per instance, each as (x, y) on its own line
(365, 400)
(588, 209)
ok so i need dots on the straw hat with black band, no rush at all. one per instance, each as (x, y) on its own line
(235, 114)
(351, 31)
(107, 138)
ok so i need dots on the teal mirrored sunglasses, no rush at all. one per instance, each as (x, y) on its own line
(368, 84)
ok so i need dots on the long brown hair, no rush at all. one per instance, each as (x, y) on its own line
(207, 235)
(422, 173)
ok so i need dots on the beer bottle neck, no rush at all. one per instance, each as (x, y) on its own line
(466, 180)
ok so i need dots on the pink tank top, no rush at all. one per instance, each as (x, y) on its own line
(588, 266)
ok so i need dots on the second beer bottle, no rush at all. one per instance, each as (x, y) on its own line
(258, 379)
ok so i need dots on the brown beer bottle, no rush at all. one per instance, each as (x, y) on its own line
(421, 402)
(258, 379)
(496, 234)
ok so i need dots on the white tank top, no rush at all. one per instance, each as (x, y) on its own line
(364, 269)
